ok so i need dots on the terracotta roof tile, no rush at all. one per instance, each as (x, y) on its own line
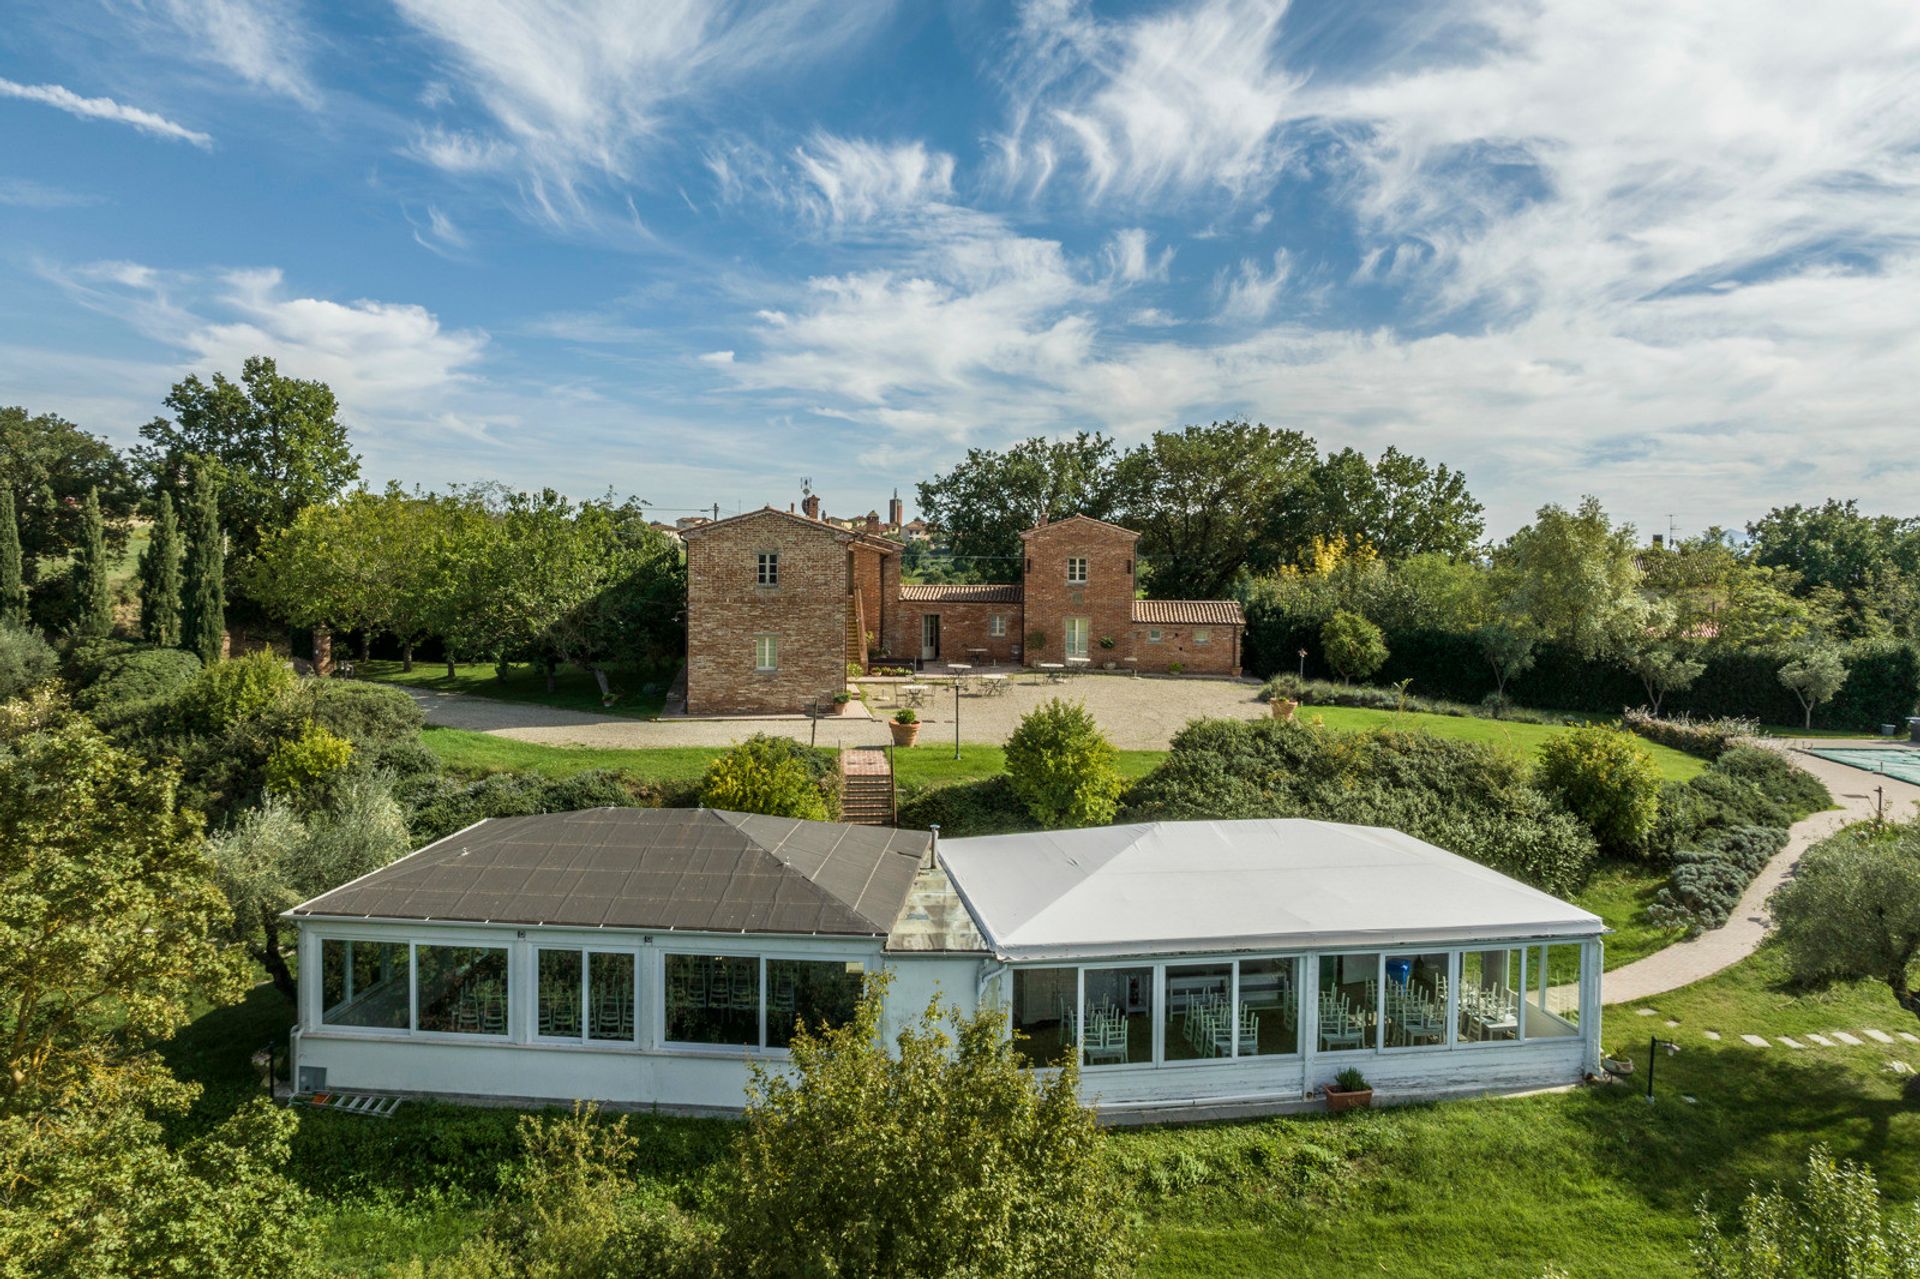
(1188, 613)
(962, 593)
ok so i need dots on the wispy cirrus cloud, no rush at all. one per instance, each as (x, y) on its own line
(264, 42)
(62, 98)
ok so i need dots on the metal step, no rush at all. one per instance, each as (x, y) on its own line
(372, 1104)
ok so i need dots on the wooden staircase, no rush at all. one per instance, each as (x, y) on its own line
(866, 786)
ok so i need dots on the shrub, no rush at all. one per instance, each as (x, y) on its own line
(25, 660)
(1176, 668)
(306, 764)
(1319, 692)
(1704, 884)
(987, 807)
(368, 715)
(1796, 790)
(438, 806)
(1833, 1223)
(137, 675)
(1351, 1080)
(240, 688)
(1707, 738)
(906, 715)
(773, 775)
(1061, 766)
(1352, 645)
(1608, 780)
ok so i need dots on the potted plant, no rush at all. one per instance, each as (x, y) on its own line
(1106, 645)
(1618, 1064)
(1174, 668)
(905, 727)
(1349, 1091)
(1283, 708)
(842, 702)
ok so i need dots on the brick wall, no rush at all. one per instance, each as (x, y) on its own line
(807, 612)
(963, 625)
(867, 577)
(1220, 655)
(1105, 600)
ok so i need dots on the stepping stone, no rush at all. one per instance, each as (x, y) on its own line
(1671, 1022)
(1711, 1034)
(1849, 1040)
(1910, 1037)
(1900, 1068)
(1880, 1036)
(1756, 1041)
(1822, 1040)
(1791, 1042)
(1643, 1012)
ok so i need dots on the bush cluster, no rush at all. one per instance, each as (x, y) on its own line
(1606, 779)
(1320, 692)
(1705, 882)
(1706, 738)
(25, 660)
(986, 807)
(1467, 797)
(773, 775)
(438, 806)
(1061, 766)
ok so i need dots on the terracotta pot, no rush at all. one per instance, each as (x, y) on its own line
(1339, 1100)
(1284, 707)
(903, 734)
(843, 708)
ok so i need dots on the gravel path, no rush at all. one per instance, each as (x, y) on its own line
(1686, 962)
(1137, 714)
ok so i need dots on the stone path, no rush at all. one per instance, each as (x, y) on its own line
(1832, 1039)
(1686, 962)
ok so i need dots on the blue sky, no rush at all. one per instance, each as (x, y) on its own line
(1669, 254)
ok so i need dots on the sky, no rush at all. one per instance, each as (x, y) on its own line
(697, 251)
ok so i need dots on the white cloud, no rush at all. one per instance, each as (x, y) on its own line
(457, 151)
(264, 42)
(25, 193)
(851, 180)
(64, 99)
(1249, 294)
(1129, 261)
(438, 233)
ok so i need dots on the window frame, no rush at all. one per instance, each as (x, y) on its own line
(1155, 636)
(1085, 626)
(1076, 570)
(997, 626)
(1201, 635)
(772, 647)
(766, 570)
(586, 1039)
(505, 947)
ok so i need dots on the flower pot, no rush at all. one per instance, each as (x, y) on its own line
(1617, 1066)
(1284, 707)
(903, 734)
(1107, 666)
(843, 708)
(1338, 1099)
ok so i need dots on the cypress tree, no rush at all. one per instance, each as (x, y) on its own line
(13, 585)
(160, 578)
(93, 599)
(203, 609)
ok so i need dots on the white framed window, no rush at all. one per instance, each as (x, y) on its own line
(766, 652)
(1077, 569)
(1153, 635)
(585, 995)
(1076, 637)
(997, 625)
(1201, 636)
(766, 570)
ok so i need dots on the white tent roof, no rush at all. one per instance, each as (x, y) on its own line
(1170, 887)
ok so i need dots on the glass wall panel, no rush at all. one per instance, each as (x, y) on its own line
(1349, 1001)
(713, 999)
(819, 992)
(1199, 1012)
(610, 996)
(1552, 1008)
(1116, 1016)
(1045, 1016)
(558, 1002)
(1489, 995)
(363, 983)
(1269, 1007)
(1415, 1000)
(461, 990)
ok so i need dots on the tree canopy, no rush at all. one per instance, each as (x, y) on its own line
(1851, 912)
(1574, 575)
(1398, 504)
(49, 465)
(980, 507)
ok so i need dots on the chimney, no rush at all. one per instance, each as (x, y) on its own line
(811, 505)
(873, 522)
(896, 512)
(1659, 541)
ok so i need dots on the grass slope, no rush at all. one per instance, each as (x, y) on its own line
(476, 754)
(1620, 892)
(1522, 739)
(574, 689)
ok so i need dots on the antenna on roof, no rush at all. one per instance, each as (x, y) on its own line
(806, 486)
(933, 847)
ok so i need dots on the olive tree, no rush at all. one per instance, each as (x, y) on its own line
(1352, 645)
(1508, 650)
(1833, 1223)
(1851, 912)
(1813, 677)
(1007, 1176)
(1663, 669)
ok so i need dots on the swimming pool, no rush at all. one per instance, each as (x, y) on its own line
(1902, 763)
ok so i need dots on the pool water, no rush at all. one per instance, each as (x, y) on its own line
(1902, 763)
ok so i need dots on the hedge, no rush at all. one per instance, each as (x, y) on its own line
(1706, 738)
(1883, 676)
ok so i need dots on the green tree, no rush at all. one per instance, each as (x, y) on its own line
(13, 586)
(1762, 610)
(1574, 574)
(1868, 562)
(48, 464)
(160, 577)
(203, 609)
(227, 693)
(1663, 669)
(1196, 496)
(333, 566)
(109, 915)
(26, 660)
(1060, 766)
(1508, 650)
(275, 444)
(1352, 645)
(93, 597)
(1009, 1177)
(1814, 677)
(1851, 912)
(1608, 780)
(766, 774)
(1833, 1225)
(980, 507)
(1398, 504)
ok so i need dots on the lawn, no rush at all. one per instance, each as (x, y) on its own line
(1592, 1179)
(1524, 739)
(931, 763)
(1620, 892)
(638, 693)
(476, 754)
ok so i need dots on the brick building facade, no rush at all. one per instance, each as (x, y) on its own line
(778, 604)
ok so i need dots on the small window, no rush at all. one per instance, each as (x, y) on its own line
(766, 652)
(713, 999)
(1153, 636)
(460, 990)
(1202, 637)
(1077, 569)
(997, 625)
(767, 571)
(363, 983)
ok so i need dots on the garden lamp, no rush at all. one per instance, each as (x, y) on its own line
(1654, 1044)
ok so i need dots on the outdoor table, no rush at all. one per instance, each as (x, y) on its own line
(980, 655)
(1132, 664)
(1079, 663)
(994, 685)
(1055, 671)
(916, 694)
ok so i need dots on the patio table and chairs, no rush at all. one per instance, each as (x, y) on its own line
(915, 694)
(993, 685)
(1080, 663)
(1056, 671)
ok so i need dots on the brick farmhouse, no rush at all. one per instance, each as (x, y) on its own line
(780, 602)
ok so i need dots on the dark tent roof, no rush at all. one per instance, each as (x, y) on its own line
(696, 870)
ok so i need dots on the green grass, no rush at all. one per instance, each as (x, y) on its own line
(1620, 892)
(931, 763)
(477, 754)
(574, 689)
(1523, 739)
